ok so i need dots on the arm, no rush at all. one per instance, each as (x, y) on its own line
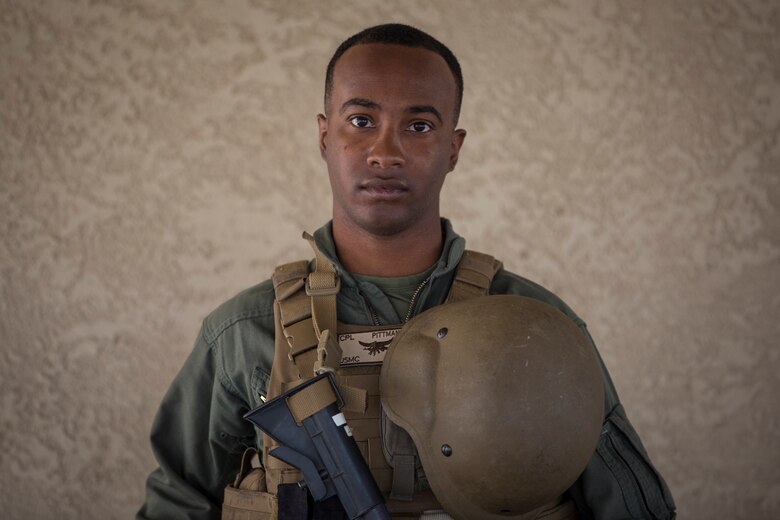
(620, 480)
(197, 438)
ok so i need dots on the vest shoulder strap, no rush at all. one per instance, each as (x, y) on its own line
(307, 308)
(473, 277)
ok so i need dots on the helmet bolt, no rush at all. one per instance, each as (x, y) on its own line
(446, 449)
(442, 332)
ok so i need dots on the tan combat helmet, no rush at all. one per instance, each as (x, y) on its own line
(503, 399)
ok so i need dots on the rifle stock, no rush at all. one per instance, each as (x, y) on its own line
(314, 438)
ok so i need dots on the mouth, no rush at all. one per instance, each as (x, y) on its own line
(383, 189)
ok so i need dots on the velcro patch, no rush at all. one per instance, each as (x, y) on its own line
(365, 348)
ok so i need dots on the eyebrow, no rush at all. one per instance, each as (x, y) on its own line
(425, 109)
(360, 102)
(367, 103)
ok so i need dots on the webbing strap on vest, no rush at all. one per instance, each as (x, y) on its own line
(311, 400)
(473, 277)
(322, 284)
(399, 447)
(309, 316)
(309, 322)
(295, 314)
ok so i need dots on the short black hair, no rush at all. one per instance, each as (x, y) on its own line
(398, 34)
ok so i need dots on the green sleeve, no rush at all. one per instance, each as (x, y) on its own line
(620, 480)
(197, 437)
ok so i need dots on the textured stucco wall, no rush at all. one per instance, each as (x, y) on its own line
(157, 157)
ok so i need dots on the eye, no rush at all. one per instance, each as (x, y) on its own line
(361, 122)
(420, 126)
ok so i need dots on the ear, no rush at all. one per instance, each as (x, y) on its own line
(322, 123)
(458, 136)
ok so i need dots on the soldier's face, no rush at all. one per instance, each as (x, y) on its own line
(388, 137)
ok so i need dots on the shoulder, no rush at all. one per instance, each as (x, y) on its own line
(507, 282)
(253, 304)
(240, 336)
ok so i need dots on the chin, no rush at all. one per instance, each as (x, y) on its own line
(384, 226)
(385, 229)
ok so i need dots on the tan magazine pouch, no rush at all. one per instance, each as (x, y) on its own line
(246, 498)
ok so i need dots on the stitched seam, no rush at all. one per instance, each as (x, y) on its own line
(222, 376)
(622, 475)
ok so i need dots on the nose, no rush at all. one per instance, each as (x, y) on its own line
(386, 151)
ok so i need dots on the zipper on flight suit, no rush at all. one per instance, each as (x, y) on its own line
(412, 303)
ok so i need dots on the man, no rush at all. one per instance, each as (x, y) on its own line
(389, 138)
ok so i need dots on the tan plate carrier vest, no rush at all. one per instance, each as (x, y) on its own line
(305, 315)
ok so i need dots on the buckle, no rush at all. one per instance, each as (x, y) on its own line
(325, 291)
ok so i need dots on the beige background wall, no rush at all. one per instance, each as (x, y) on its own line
(157, 157)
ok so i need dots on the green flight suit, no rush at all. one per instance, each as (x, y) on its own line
(198, 434)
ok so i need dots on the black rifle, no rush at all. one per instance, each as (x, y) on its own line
(321, 447)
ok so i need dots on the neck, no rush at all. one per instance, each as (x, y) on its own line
(409, 252)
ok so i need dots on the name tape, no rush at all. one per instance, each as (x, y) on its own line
(365, 348)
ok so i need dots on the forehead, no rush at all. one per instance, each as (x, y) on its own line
(394, 73)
